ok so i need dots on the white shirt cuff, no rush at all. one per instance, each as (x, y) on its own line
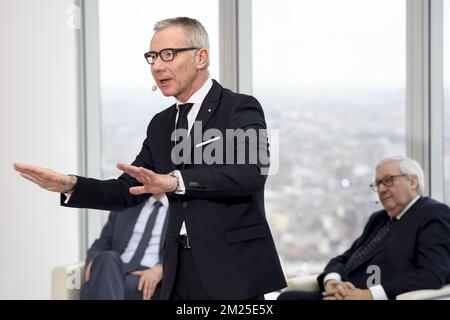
(181, 187)
(332, 276)
(68, 195)
(378, 292)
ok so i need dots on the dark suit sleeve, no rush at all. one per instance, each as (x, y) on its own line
(111, 194)
(433, 256)
(245, 175)
(105, 241)
(338, 263)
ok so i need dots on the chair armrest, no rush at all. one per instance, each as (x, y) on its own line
(67, 281)
(428, 294)
(306, 283)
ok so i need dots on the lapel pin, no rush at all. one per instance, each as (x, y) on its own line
(209, 110)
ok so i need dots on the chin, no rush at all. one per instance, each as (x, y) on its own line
(388, 208)
(393, 212)
(166, 93)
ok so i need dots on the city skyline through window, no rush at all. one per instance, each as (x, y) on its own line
(336, 92)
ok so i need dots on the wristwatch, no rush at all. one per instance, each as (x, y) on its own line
(175, 174)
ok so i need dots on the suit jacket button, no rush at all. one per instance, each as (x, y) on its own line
(185, 204)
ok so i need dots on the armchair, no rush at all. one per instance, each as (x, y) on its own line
(309, 283)
(67, 281)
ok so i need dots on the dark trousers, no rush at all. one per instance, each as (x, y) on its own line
(188, 285)
(108, 280)
(300, 295)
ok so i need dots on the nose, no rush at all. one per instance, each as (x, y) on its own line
(381, 188)
(159, 65)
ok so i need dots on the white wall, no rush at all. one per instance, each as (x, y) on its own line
(38, 124)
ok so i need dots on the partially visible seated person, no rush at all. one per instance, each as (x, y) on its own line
(125, 263)
(404, 247)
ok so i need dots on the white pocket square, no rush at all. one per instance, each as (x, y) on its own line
(207, 141)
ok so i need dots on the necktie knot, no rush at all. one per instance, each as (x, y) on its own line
(183, 110)
(157, 204)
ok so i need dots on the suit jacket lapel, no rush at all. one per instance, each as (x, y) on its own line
(167, 135)
(127, 220)
(383, 242)
(395, 229)
(163, 237)
(207, 109)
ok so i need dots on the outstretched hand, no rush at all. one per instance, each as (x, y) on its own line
(152, 182)
(46, 178)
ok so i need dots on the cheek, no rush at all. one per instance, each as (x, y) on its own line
(401, 198)
(390, 202)
(188, 69)
(185, 77)
(179, 73)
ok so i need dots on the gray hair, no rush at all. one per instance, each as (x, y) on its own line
(408, 167)
(196, 34)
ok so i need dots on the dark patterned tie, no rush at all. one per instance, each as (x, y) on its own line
(183, 110)
(135, 261)
(182, 123)
(357, 258)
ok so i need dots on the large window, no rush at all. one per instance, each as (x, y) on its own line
(446, 56)
(127, 102)
(331, 77)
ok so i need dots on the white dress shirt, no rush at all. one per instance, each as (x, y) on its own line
(197, 100)
(151, 255)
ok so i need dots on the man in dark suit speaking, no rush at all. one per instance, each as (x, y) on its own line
(404, 247)
(218, 243)
(126, 261)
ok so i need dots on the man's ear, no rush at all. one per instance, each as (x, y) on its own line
(202, 57)
(414, 183)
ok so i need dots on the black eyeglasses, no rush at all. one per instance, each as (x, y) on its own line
(387, 181)
(166, 55)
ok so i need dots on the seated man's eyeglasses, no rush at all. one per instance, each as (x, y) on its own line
(166, 55)
(387, 182)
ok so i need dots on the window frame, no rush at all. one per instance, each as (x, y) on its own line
(424, 94)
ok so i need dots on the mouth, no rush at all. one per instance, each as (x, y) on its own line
(163, 82)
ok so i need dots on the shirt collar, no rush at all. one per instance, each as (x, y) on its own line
(409, 205)
(164, 201)
(200, 94)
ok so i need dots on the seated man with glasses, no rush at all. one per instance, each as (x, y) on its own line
(404, 247)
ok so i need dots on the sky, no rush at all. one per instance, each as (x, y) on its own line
(328, 43)
(126, 28)
(299, 43)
